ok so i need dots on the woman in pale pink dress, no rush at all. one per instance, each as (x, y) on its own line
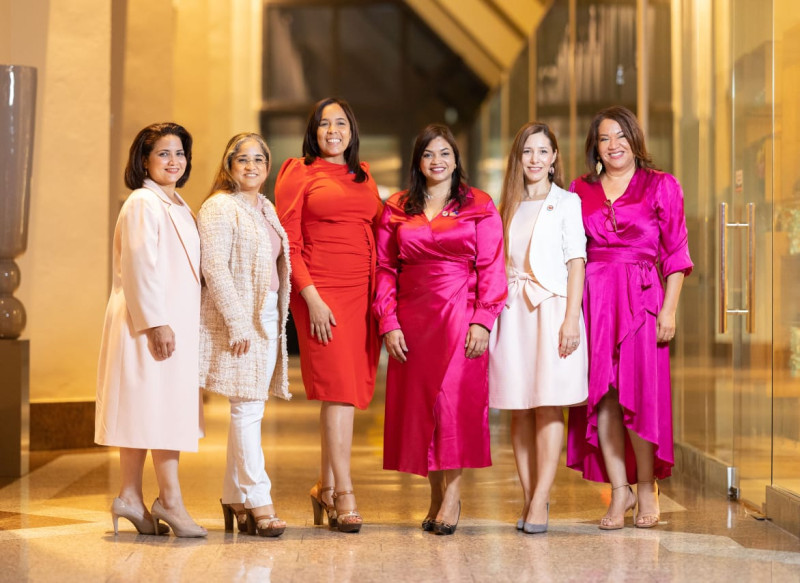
(537, 349)
(440, 285)
(636, 229)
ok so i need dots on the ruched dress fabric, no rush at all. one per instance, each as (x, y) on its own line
(329, 220)
(434, 279)
(622, 298)
(525, 369)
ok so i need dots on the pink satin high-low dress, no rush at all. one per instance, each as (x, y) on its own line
(434, 279)
(632, 244)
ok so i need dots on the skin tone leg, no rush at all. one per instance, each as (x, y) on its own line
(549, 438)
(326, 478)
(436, 480)
(612, 440)
(449, 511)
(337, 439)
(611, 432)
(646, 488)
(131, 465)
(523, 427)
(169, 487)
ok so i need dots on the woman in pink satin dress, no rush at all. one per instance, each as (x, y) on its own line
(636, 230)
(440, 285)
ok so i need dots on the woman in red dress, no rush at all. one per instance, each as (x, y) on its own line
(328, 203)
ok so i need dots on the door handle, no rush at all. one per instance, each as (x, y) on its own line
(750, 303)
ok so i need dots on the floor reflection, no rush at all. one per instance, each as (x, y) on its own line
(55, 524)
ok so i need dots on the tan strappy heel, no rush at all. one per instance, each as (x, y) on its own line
(609, 522)
(349, 521)
(272, 525)
(318, 505)
(647, 520)
(228, 512)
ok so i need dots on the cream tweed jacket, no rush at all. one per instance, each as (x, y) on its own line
(236, 261)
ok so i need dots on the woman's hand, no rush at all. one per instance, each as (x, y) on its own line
(240, 348)
(162, 341)
(569, 337)
(665, 325)
(477, 341)
(319, 315)
(396, 344)
(665, 321)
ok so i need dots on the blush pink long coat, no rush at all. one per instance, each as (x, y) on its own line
(142, 402)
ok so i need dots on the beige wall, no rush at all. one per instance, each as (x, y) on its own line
(64, 273)
(198, 63)
(192, 61)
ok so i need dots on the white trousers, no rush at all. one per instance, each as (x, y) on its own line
(246, 480)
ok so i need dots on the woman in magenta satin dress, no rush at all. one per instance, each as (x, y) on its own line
(440, 285)
(636, 230)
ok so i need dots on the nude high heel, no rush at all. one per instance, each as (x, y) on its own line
(609, 522)
(183, 529)
(647, 520)
(143, 524)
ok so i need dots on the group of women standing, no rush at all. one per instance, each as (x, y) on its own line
(476, 308)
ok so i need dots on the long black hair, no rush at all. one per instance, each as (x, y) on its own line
(414, 200)
(311, 149)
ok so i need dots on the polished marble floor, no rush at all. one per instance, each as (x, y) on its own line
(55, 524)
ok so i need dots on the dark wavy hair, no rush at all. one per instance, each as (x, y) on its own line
(631, 130)
(413, 200)
(311, 149)
(142, 147)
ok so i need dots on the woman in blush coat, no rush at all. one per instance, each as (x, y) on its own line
(440, 285)
(244, 311)
(147, 393)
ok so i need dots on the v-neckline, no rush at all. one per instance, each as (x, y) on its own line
(624, 192)
(437, 215)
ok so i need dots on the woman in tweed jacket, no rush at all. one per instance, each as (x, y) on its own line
(245, 263)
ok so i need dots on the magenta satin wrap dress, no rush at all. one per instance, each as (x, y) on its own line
(434, 279)
(623, 295)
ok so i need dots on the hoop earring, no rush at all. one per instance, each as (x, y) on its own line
(552, 170)
(598, 167)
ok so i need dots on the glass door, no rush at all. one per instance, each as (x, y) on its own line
(736, 362)
(746, 229)
(786, 249)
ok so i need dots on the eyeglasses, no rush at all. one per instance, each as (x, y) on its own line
(611, 218)
(258, 160)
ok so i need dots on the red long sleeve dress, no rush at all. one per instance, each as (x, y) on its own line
(329, 220)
